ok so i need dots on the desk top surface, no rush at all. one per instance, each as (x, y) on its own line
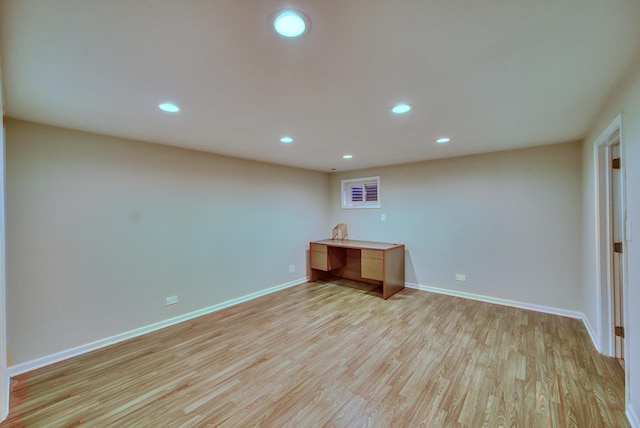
(350, 243)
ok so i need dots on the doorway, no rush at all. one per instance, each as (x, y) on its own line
(611, 243)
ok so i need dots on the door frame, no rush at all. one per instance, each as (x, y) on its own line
(5, 382)
(604, 253)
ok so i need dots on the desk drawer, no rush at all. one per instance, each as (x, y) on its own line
(319, 260)
(318, 248)
(372, 254)
(372, 268)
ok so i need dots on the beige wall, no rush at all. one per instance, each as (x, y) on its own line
(101, 230)
(510, 221)
(627, 103)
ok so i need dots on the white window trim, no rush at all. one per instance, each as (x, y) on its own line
(346, 185)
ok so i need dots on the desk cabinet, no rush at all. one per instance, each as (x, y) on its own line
(319, 257)
(373, 262)
(324, 258)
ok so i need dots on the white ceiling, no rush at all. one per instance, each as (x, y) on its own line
(491, 74)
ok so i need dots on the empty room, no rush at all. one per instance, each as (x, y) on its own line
(319, 213)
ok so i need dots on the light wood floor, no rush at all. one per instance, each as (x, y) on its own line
(327, 355)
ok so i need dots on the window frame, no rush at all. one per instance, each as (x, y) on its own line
(348, 184)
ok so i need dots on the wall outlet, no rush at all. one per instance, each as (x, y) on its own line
(292, 268)
(171, 300)
(383, 217)
(461, 277)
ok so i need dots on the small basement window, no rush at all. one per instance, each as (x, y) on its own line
(361, 192)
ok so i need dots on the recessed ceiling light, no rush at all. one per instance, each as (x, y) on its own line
(290, 23)
(443, 140)
(169, 107)
(347, 156)
(401, 108)
(286, 140)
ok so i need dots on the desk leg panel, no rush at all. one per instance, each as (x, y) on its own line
(393, 272)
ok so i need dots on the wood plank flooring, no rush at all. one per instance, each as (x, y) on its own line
(331, 355)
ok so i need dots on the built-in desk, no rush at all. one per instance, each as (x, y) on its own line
(372, 262)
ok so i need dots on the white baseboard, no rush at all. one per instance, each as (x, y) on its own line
(595, 338)
(83, 349)
(632, 416)
(6, 384)
(513, 303)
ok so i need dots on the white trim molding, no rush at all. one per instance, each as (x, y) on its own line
(604, 307)
(512, 303)
(6, 380)
(89, 347)
(612, 133)
(5, 383)
(634, 421)
(98, 344)
(593, 334)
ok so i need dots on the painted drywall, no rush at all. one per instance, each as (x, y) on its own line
(627, 103)
(510, 221)
(101, 230)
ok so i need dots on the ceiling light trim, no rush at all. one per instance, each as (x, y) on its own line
(290, 23)
(401, 108)
(170, 107)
